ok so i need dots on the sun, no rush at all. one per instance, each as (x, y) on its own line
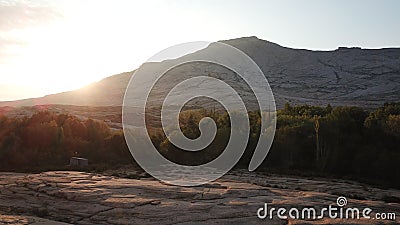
(91, 41)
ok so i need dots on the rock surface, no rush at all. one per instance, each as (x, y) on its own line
(84, 198)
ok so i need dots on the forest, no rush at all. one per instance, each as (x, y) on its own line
(335, 142)
(47, 141)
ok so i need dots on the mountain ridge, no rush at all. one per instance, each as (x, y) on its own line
(345, 76)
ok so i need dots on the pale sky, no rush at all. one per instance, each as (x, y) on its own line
(53, 46)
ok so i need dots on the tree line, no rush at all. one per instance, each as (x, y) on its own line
(343, 142)
(47, 140)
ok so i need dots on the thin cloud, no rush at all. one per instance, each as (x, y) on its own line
(17, 15)
(21, 14)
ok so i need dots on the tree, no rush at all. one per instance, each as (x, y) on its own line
(316, 128)
(393, 125)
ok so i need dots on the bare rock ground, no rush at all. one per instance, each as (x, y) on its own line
(64, 197)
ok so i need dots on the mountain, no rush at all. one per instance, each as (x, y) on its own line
(345, 76)
(107, 92)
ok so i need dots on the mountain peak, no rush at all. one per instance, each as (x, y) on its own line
(346, 76)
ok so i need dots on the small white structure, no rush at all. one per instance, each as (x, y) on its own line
(78, 162)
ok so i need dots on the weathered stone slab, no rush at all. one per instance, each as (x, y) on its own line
(85, 198)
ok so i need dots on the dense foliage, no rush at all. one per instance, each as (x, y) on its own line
(47, 140)
(343, 142)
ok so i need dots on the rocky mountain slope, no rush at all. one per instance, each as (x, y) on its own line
(346, 76)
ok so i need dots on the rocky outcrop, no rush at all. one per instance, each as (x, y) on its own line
(86, 198)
